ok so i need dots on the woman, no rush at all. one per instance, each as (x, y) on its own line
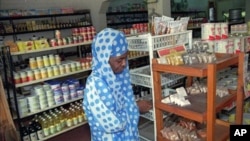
(109, 102)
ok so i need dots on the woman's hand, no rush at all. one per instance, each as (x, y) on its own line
(144, 105)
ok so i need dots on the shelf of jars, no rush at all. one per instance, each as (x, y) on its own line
(41, 23)
(51, 48)
(24, 115)
(50, 78)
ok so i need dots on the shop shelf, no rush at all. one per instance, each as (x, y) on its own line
(142, 76)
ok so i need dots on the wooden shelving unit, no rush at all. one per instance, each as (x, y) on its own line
(203, 108)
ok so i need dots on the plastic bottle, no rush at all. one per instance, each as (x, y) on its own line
(45, 127)
(32, 132)
(24, 133)
(69, 120)
(39, 129)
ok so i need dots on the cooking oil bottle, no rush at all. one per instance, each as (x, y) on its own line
(69, 118)
(45, 126)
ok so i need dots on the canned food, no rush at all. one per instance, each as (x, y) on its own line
(53, 42)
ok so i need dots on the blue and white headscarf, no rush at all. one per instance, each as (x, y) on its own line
(108, 101)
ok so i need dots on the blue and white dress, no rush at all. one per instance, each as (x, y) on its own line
(109, 102)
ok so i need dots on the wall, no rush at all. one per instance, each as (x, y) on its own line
(225, 5)
(189, 5)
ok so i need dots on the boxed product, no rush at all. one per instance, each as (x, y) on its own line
(41, 43)
(67, 10)
(4, 13)
(25, 45)
(31, 12)
(54, 11)
(15, 12)
(42, 11)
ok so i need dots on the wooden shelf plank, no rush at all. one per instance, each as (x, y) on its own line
(198, 106)
(196, 70)
(204, 107)
(221, 133)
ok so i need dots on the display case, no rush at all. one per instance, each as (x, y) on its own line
(142, 76)
(203, 108)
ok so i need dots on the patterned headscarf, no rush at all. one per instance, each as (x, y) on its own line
(108, 97)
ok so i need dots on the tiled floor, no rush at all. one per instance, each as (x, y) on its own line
(81, 133)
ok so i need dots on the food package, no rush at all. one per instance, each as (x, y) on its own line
(41, 43)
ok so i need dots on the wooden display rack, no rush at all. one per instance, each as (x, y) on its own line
(203, 109)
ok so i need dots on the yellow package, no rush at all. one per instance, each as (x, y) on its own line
(20, 45)
(40, 44)
(28, 45)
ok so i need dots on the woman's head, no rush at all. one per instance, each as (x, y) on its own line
(109, 50)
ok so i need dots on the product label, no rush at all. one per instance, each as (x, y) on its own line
(80, 118)
(58, 127)
(33, 137)
(40, 134)
(75, 121)
(52, 129)
(63, 124)
(69, 123)
(46, 132)
(26, 138)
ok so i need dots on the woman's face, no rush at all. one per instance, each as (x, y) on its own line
(118, 63)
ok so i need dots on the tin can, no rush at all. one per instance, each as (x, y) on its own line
(57, 34)
(75, 40)
(53, 42)
(30, 75)
(44, 73)
(17, 78)
(46, 61)
(37, 74)
(52, 59)
(57, 59)
(39, 62)
(50, 71)
(23, 76)
(32, 63)
(55, 70)
(75, 31)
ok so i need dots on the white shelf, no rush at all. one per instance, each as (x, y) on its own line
(65, 130)
(51, 48)
(146, 131)
(51, 107)
(46, 79)
(131, 58)
(142, 76)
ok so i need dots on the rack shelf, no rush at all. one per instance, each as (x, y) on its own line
(50, 78)
(45, 16)
(203, 107)
(42, 23)
(142, 76)
(65, 130)
(51, 48)
(22, 104)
